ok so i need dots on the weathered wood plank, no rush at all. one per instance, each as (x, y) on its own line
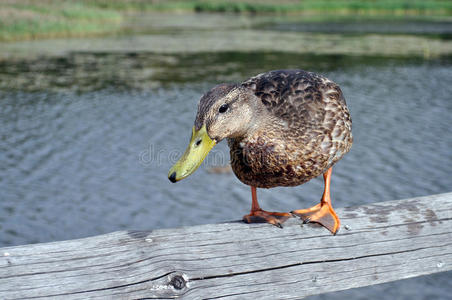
(377, 243)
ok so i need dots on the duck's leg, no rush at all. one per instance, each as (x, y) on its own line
(257, 215)
(322, 213)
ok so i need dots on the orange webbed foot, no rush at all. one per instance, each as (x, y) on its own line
(262, 216)
(322, 213)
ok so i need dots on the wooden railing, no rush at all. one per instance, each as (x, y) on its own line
(377, 243)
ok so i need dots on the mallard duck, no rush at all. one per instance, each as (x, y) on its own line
(283, 128)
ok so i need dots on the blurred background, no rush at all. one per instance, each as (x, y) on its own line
(97, 100)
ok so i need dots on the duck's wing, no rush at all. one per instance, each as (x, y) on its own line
(298, 97)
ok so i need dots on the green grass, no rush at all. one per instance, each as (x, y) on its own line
(437, 7)
(30, 19)
(26, 20)
(339, 6)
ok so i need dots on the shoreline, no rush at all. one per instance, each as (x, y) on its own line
(24, 20)
(244, 40)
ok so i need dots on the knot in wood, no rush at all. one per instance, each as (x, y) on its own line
(178, 282)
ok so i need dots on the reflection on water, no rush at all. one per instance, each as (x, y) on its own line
(442, 29)
(86, 71)
(86, 142)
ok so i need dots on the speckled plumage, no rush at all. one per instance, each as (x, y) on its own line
(300, 127)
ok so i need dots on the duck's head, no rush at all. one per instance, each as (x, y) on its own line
(226, 111)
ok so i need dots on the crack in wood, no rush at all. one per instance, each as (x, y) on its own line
(48, 272)
(106, 288)
(309, 263)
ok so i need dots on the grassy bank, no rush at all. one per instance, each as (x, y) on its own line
(28, 19)
(417, 7)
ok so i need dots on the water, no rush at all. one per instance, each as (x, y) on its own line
(87, 139)
(441, 29)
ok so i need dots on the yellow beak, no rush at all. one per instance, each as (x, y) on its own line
(197, 150)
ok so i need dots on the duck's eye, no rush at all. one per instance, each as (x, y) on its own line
(223, 108)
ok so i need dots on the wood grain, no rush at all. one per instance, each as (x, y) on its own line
(377, 243)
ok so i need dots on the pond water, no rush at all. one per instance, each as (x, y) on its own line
(442, 29)
(87, 140)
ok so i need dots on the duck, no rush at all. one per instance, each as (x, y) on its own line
(283, 128)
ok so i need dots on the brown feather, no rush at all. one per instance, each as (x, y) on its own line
(308, 131)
